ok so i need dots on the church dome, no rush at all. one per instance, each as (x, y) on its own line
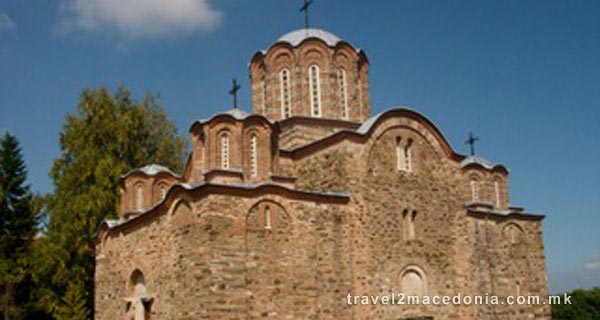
(310, 73)
(296, 37)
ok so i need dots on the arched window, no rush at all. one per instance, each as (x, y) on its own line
(315, 90)
(513, 233)
(264, 96)
(139, 197)
(163, 190)
(411, 225)
(225, 150)
(408, 156)
(267, 218)
(139, 303)
(408, 224)
(497, 192)
(405, 224)
(404, 154)
(343, 93)
(474, 190)
(253, 156)
(286, 94)
(399, 154)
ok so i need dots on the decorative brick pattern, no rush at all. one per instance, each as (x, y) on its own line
(328, 213)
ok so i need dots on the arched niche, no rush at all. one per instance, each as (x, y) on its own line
(272, 258)
(139, 301)
(267, 215)
(413, 281)
(181, 213)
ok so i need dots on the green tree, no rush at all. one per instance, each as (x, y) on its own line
(585, 305)
(17, 229)
(110, 135)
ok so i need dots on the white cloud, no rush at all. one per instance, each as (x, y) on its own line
(140, 18)
(6, 23)
(593, 264)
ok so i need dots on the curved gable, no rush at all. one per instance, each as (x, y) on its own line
(378, 123)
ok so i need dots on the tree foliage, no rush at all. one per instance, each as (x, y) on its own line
(110, 135)
(17, 229)
(585, 305)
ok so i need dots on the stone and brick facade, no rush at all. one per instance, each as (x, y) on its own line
(282, 213)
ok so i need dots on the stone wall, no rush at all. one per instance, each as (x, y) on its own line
(283, 254)
(215, 258)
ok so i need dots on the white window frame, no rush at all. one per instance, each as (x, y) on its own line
(253, 155)
(497, 192)
(474, 190)
(225, 150)
(314, 75)
(343, 91)
(286, 93)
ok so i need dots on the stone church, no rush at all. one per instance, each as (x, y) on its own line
(283, 212)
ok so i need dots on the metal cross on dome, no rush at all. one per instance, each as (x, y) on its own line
(471, 142)
(235, 87)
(304, 8)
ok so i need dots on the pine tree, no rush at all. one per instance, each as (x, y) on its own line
(74, 304)
(110, 135)
(17, 227)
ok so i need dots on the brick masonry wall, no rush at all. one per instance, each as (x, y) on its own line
(214, 259)
(218, 256)
(265, 70)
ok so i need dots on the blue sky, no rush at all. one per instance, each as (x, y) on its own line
(523, 75)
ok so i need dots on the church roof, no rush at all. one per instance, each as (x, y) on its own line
(235, 113)
(477, 160)
(238, 114)
(296, 37)
(486, 164)
(151, 170)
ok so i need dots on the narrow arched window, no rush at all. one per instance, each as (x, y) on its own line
(400, 161)
(513, 235)
(267, 218)
(264, 96)
(138, 304)
(253, 156)
(404, 154)
(497, 192)
(315, 90)
(408, 156)
(411, 225)
(474, 191)
(139, 196)
(405, 224)
(224, 150)
(286, 94)
(343, 93)
(163, 191)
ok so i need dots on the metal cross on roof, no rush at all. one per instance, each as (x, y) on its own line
(235, 87)
(471, 142)
(304, 8)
